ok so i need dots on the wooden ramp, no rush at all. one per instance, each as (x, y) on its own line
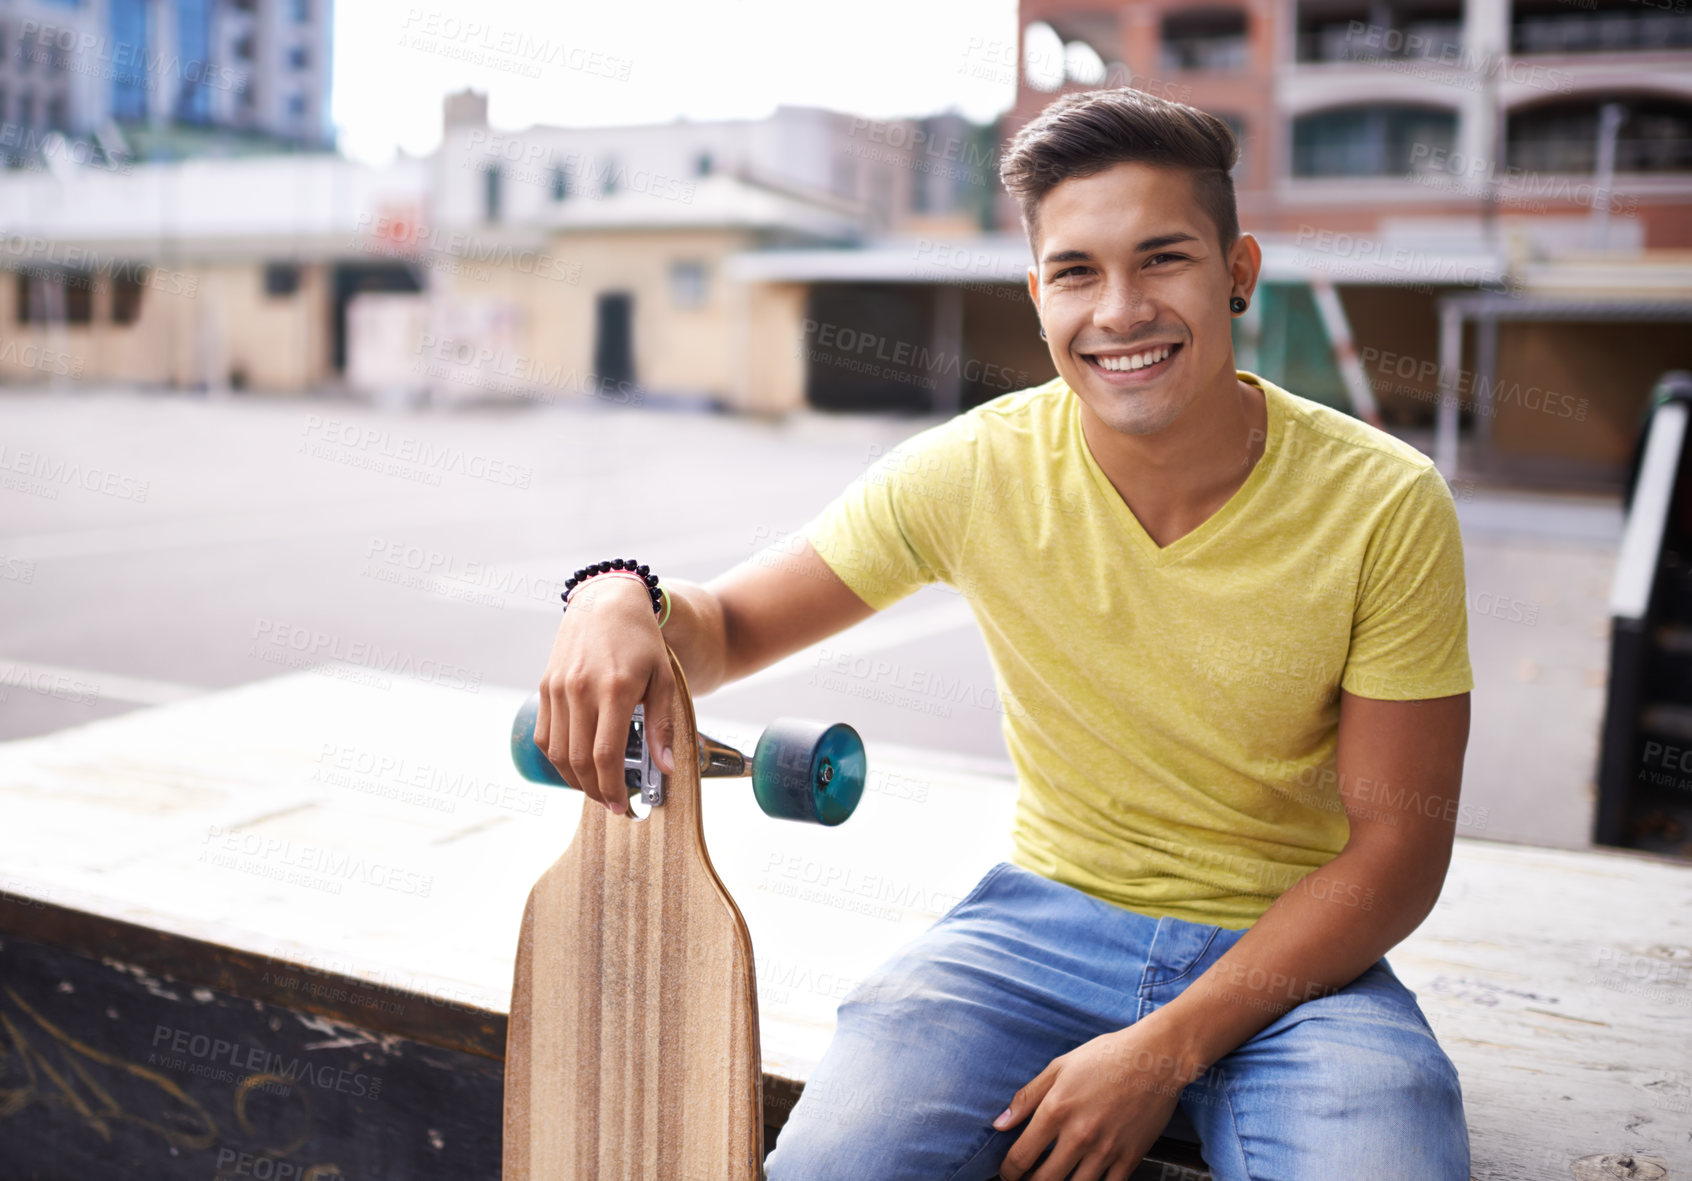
(280, 923)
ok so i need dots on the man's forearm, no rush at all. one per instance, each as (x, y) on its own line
(1316, 938)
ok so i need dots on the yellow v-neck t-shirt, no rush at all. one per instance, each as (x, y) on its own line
(1172, 712)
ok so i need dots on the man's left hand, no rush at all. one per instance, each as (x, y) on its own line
(1105, 1103)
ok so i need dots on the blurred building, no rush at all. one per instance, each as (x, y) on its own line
(119, 80)
(1476, 214)
(550, 264)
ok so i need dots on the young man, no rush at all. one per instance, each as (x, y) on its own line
(1228, 626)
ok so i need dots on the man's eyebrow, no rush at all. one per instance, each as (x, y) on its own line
(1156, 243)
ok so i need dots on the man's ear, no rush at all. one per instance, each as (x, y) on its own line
(1245, 264)
(1034, 286)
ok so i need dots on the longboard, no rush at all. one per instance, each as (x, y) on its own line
(633, 1046)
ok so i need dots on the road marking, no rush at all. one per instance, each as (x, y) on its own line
(56, 680)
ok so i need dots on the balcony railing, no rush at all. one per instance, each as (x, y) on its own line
(1204, 53)
(1609, 32)
(1345, 42)
(1580, 156)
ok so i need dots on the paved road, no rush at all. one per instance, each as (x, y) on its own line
(154, 546)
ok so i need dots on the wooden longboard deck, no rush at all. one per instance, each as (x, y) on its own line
(633, 1045)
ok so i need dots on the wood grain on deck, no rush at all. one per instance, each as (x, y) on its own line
(632, 1050)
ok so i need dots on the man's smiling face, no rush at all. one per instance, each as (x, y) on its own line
(1129, 270)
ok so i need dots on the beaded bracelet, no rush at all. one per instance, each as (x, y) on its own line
(626, 566)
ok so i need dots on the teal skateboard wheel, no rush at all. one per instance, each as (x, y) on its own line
(531, 761)
(808, 771)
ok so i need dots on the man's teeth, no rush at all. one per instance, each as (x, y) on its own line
(1137, 361)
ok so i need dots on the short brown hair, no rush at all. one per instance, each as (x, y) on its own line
(1086, 132)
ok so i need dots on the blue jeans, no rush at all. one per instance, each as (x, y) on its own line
(931, 1046)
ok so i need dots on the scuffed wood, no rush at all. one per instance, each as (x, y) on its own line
(633, 1046)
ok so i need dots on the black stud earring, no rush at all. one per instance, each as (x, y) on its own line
(1238, 303)
(1042, 332)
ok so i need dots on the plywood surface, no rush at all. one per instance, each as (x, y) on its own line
(378, 830)
(633, 1043)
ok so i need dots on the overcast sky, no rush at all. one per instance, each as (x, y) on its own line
(582, 63)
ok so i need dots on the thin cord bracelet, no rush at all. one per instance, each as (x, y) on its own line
(629, 568)
(605, 574)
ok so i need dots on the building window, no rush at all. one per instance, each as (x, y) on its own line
(1606, 26)
(702, 164)
(296, 106)
(687, 284)
(302, 12)
(560, 183)
(299, 57)
(193, 40)
(79, 297)
(1370, 141)
(57, 115)
(1427, 29)
(26, 110)
(126, 295)
(281, 279)
(55, 297)
(610, 184)
(1656, 136)
(490, 193)
(130, 52)
(1204, 39)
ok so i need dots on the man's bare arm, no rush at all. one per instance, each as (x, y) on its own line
(1400, 766)
(770, 606)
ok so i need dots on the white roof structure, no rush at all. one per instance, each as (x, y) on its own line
(305, 205)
